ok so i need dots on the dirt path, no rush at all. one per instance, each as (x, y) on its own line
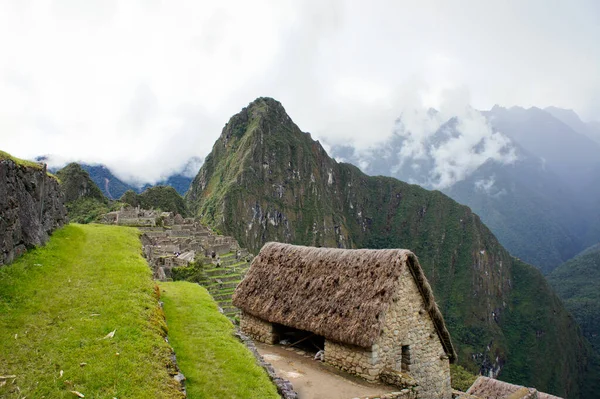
(313, 379)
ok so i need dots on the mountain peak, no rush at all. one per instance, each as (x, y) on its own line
(265, 115)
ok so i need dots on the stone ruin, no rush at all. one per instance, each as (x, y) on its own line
(130, 216)
(170, 241)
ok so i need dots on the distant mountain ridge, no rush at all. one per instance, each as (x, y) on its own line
(266, 180)
(113, 187)
(541, 206)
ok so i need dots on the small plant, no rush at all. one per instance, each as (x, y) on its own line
(193, 272)
(461, 378)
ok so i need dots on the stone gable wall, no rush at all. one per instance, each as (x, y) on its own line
(407, 323)
(31, 207)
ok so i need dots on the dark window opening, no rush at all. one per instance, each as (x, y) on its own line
(300, 339)
(405, 364)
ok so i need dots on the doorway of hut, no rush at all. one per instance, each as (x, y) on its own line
(299, 339)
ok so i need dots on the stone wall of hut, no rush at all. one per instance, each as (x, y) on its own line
(353, 359)
(258, 329)
(410, 344)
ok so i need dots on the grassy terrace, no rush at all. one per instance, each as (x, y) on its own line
(214, 362)
(57, 305)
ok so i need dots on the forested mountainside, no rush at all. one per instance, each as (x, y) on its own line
(577, 282)
(83, 199)
(541, 202)
(267, 180)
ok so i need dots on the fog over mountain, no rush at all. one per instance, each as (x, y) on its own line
(532, 177)
(142, 86)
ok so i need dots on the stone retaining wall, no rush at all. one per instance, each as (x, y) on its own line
(31, 207)
(284, 387)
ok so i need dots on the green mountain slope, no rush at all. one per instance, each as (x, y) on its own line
(577, 282)
(84, 200)
(525, 208)
(266, 180)
(165, 198)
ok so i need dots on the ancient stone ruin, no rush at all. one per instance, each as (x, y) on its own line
(31, 207)
(171, 241)
(373, 311)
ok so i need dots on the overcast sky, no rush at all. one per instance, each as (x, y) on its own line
(143, 85)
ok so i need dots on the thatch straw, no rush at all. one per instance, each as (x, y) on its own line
(542, 395)
(341, 294)
(489, 388)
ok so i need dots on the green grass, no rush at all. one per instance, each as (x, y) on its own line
(461, 378)
(24, 162)
(57, 303)
(19, 161)
(215, 363)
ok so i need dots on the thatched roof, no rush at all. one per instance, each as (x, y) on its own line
(542, 395)
(341, 294)
(489, 388)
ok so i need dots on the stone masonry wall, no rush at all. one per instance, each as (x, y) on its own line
(353, 359)
(258, 329)
(31, 207)
(407, 323)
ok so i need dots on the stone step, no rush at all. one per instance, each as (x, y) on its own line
(230, 310)
(222, 297)
(219, 271)
(226, 303)
(221, 286)
(226, 278)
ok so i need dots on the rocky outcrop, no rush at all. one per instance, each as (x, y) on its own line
(31, 207)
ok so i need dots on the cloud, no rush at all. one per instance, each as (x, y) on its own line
(142, 86)
(435, 148)
(485, 185)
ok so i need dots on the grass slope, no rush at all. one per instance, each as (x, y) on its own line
(214, 362)
(57, 303)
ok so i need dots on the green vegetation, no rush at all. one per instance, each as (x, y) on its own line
(215, 363)
(577, 283)
(165, 198)
(266, 180)
(59, 303)
(18, 161)
(220, 281)
(193, 272)
(86, 210)
(23, 162)
(461, 378)
(84, 201)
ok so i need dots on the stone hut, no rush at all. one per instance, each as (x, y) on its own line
(489, 388)
(374, 309)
